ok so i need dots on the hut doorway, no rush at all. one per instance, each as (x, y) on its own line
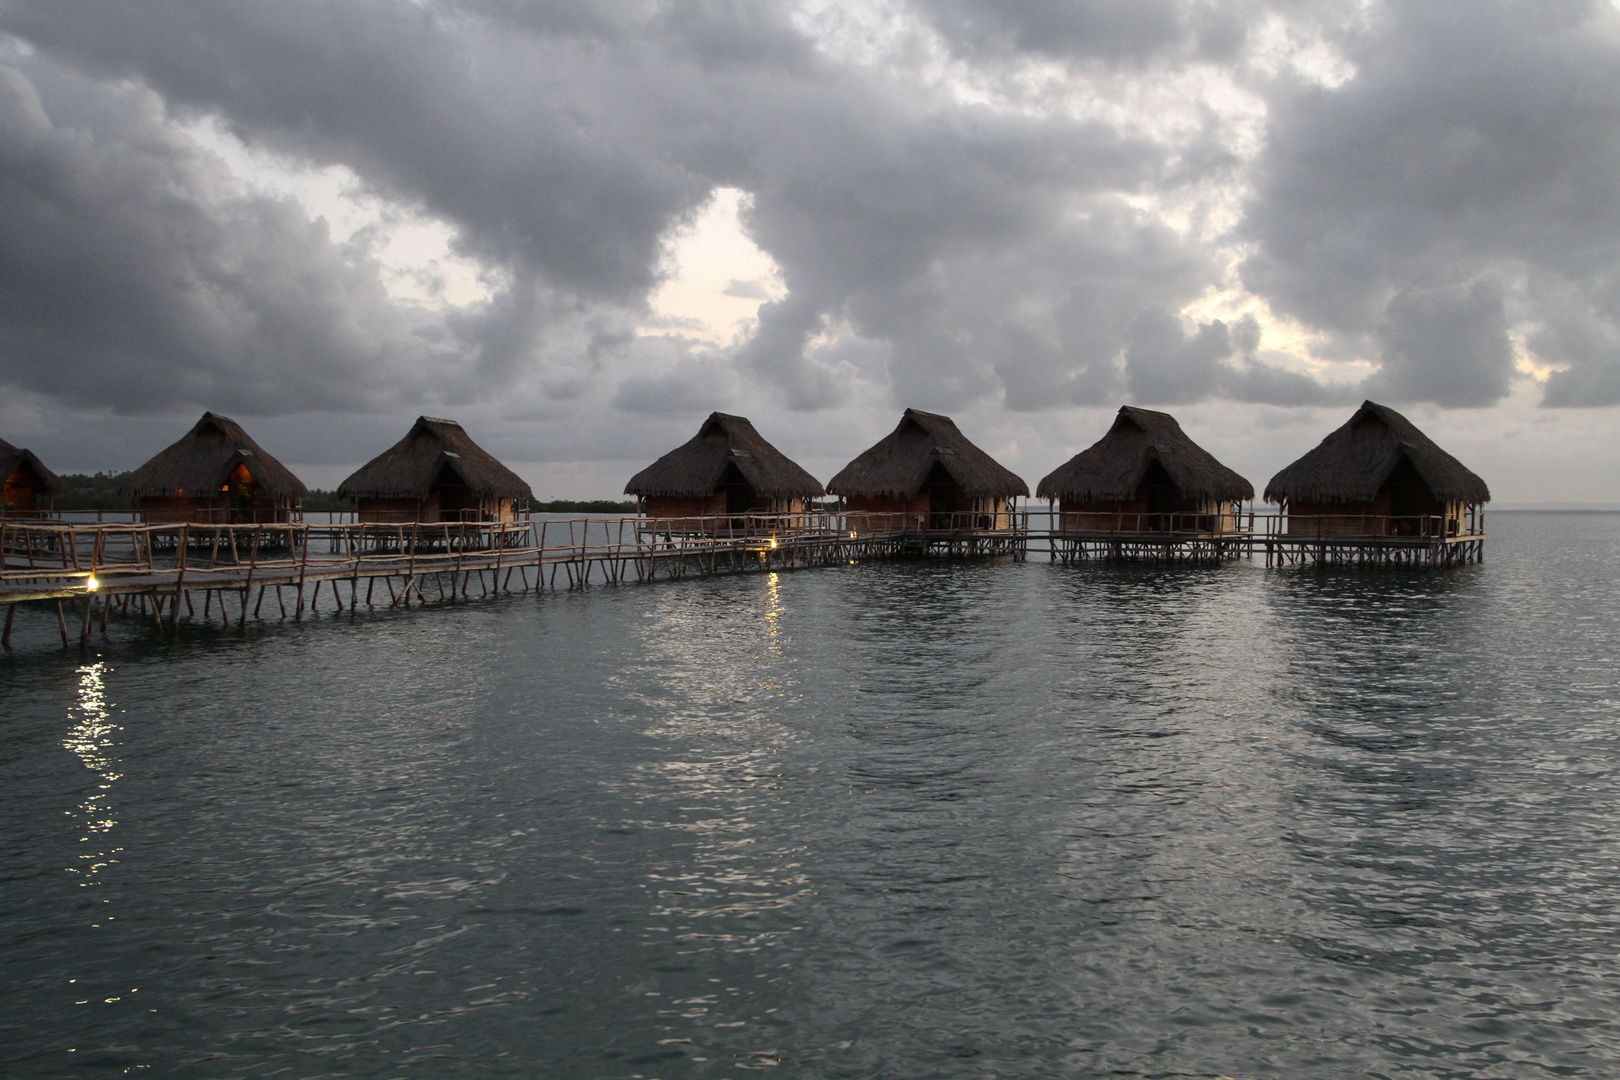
(740, 496)
(456, 500)
(244, 498)
(943, 498)
(1162, 497)
(1410, 500)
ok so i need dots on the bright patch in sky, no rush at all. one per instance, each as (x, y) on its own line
(412, 249)
(719, 277)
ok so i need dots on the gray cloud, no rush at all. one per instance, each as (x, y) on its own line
(746, 290)
(1473, 142)
(963, 253)
(1448, 346)
(134, 274)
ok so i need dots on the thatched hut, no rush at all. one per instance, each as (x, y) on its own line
(216, 475)
(1145, 475)
(726, 468)
(1378, 475)
(28, 484)
(435, 473)
(927, 470)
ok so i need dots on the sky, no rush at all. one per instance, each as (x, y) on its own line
(580, 227)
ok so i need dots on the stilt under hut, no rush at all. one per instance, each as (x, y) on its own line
(928, 475)
(1146, 477)
(215, 475)
(726, 468)
(1378, 487)
(28, 484)
(435, 473)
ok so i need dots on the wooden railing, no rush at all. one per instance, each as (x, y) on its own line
(1133, 523)
(1433, 527)
(121, 551)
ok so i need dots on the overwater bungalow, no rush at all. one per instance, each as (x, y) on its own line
(726, 468)
(435, 473)
(927, 470)
(28, 484)
(215, 475)
(1379, 476)
(1145, 476)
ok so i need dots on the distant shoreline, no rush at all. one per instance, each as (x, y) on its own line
(1551, 510)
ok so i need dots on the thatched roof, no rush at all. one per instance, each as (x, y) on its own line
(901, 462)
(410, 468)
(201, 463)
(1112, 468)
(693, 469)
(1351, 464)
(11, 457)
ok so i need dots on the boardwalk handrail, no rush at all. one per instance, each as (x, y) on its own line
(212, 555)
(1352, 525)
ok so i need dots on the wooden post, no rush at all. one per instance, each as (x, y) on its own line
(354, 583)
(303, 569)
(61, 622)
(253, 563)
(461, 550)
(410, 567)
(180, 577)
(500, 545)
(84, 629)
(5, 635)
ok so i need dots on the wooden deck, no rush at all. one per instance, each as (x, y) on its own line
(166, 572)
(163, 573)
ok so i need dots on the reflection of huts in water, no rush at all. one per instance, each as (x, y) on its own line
(1378, 475)
(1145, 475)
(215, 475)
(927, 470)
(726, 468)
(29, 485)
(435, 473)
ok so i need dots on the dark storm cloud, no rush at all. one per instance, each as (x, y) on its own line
(133, 274)
(563, 146)
(1448, 346)
(1167, 365)
(1475, 142)
(971, 253)
(1112, 31)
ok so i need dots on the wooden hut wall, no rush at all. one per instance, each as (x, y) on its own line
(22, 493)
(434, 508)
(924, 509)
(1404, 506)
(1158, 505)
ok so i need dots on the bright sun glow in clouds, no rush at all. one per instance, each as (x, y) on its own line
(719, 277)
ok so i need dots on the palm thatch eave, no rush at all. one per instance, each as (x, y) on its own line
(1112, 469)
(696, 468)
(900, 463)
(412, 467)
(1354, 461)
(14, 457)
(202, 461)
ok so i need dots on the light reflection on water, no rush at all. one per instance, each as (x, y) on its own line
(92, 739)
(922, 820)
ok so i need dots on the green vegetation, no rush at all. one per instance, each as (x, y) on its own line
(588, 506)
(320, 500)
(98, 491)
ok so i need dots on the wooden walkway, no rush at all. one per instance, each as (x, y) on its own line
(156, 572)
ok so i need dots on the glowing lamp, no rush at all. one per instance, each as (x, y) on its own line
(91, 583)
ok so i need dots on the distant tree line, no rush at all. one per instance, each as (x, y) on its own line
(99, 491)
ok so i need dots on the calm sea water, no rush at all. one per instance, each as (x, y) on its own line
(916, 820)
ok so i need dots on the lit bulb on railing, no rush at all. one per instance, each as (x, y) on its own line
(91, 583)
